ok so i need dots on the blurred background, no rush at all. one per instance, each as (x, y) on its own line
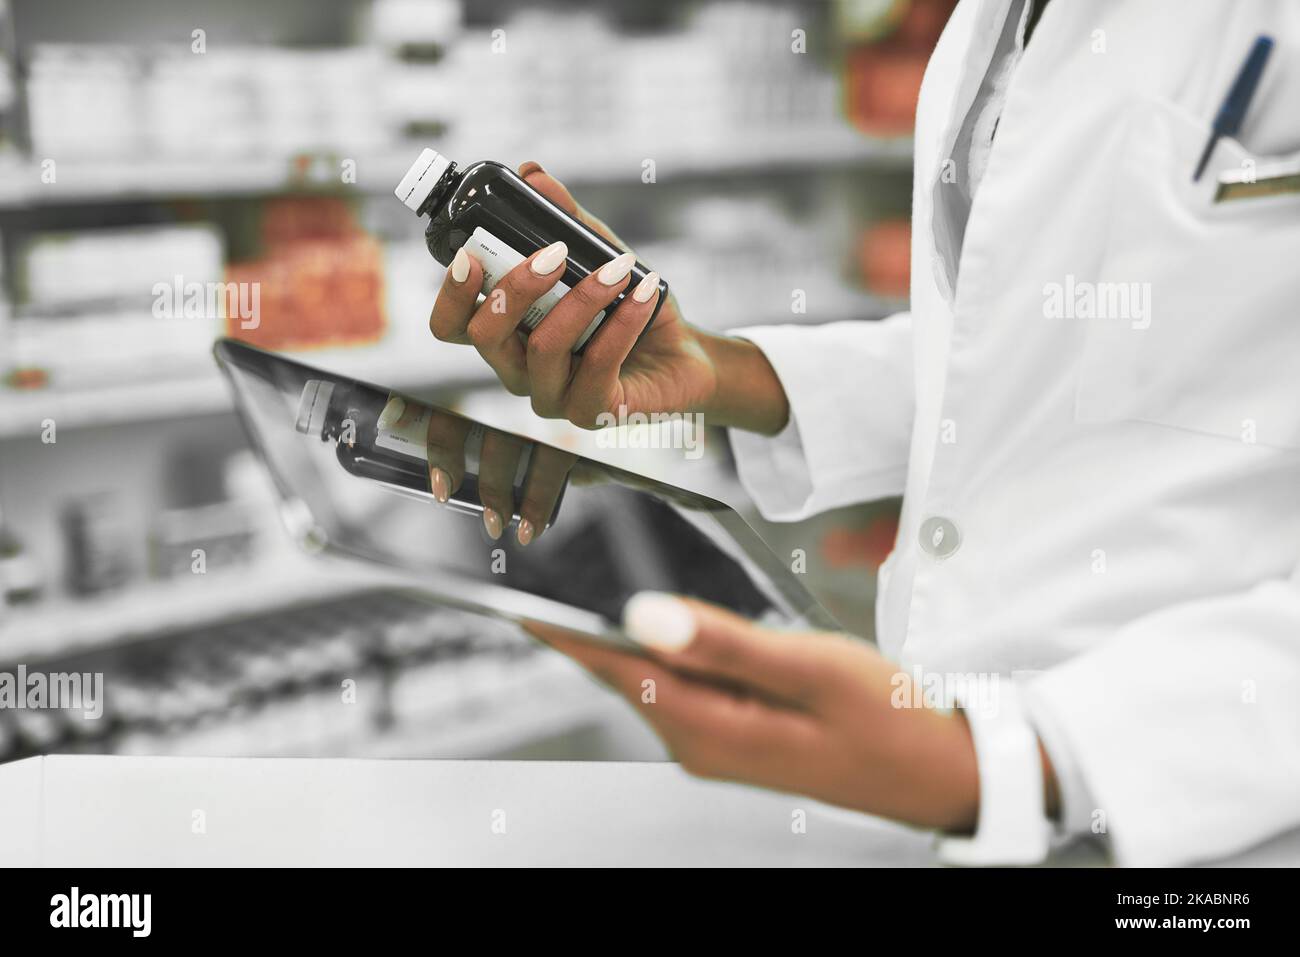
(756, 153)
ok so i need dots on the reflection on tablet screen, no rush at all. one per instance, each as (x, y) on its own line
(352, 465)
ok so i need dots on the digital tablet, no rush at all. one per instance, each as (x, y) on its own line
(351, 463)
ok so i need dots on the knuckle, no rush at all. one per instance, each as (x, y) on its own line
(721, 653)
(588, 296)
(746, 718)
(497, 496)
(442, 332)
(693, 761)
(515, 384)
(440, 325)
(631, 315)
(545, 406)
(583, 413)
(536, 510)
(522, 285)
(478, 335)
(539, 345)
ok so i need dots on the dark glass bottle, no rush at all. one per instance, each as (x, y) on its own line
(350, 414)
(503, 221)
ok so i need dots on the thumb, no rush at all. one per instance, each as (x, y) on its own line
(532, 173)
(704, 640)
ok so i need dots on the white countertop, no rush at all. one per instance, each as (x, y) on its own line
(141, 811)
(128, 811)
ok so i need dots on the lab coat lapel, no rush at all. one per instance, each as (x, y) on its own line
(988, 22)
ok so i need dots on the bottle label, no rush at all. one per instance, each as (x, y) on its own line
(409, 435)
(497, 259)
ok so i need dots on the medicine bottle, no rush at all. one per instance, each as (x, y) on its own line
(383, 436)
(501, 221)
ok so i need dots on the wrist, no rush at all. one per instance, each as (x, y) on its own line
(955, 786)
(746, 394)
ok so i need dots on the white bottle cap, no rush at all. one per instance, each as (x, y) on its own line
(420, 179)
(312, 407)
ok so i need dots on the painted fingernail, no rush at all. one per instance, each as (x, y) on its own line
(616, 269)
(392, 412)
(549, 259)
(492, 522)
(460, 266)
(658, 620)
(646, 287)
(525, 533)
(441, 483)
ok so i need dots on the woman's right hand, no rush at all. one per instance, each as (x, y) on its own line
(674, 368)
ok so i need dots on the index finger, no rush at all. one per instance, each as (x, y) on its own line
(457, 299)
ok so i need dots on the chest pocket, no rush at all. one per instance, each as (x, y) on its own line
(1195, 319)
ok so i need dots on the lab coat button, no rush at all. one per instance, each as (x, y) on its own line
(939, 537)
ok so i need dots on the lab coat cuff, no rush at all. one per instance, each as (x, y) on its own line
(774, 470)
(1077, 805)
(1012, 827)
(841, 445)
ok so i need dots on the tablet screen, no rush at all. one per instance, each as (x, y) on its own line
(351, 461)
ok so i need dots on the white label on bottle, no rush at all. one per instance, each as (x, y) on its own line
(497, 259)
(409, 435)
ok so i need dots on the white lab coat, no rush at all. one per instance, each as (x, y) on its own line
(1124, 491)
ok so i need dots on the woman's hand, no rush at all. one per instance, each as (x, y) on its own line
(674, 368)
(499, 457)
(811, 713)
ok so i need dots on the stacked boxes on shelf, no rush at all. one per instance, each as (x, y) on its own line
(318, 282)
(377, 673)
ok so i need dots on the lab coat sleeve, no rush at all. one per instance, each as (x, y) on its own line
(1185, 726)
(850, 388)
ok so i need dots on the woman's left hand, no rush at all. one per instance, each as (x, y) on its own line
(809, 713)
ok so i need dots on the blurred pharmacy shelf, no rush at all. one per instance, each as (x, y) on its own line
(754, 152)
(359, 671)
(513, 722)
(64, 626)
(206, 393)
(22, 411)
(509, 705)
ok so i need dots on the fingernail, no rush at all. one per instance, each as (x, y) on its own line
(492, 522)
(525, 533)
(549, 259)
(392, 412)
(660, 621)
(460, 266)
(646, 287)
(616, 269)
(441, 483)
